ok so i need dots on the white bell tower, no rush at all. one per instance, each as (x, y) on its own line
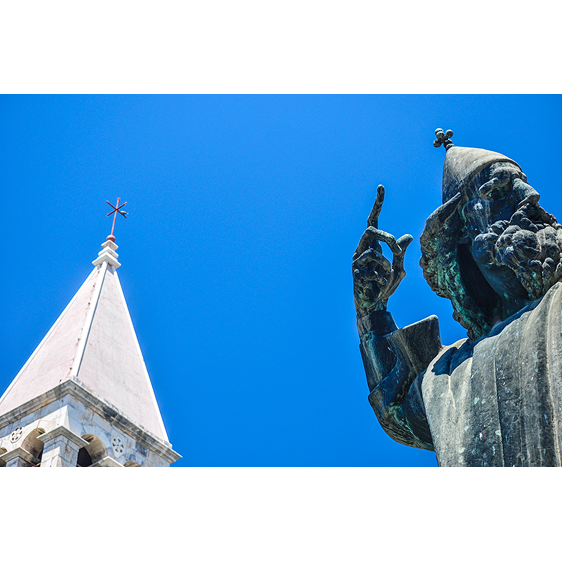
(84, 397)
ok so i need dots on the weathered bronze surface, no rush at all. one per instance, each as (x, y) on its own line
(495, 398)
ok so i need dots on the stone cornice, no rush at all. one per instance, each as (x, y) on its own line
(107, 462)
(63, 431)
(77, 389)
(21, 453)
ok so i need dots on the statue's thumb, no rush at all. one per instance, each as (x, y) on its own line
(404, 241)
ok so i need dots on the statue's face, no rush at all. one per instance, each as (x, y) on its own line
(515, 243)
(493, 244)
(494, 195)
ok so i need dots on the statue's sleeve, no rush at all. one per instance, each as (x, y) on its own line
(395, 361)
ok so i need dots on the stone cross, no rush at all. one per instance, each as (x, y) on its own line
(443, 138)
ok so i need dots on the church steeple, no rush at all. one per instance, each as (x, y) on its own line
(84, 396)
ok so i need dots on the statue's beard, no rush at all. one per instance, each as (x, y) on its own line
(529, 244)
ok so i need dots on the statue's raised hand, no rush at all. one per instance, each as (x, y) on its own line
(374, 277)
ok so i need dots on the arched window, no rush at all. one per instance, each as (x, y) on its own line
(84, 458)
(32, 445)
(93, 452)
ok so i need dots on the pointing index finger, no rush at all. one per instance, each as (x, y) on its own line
(373, 219)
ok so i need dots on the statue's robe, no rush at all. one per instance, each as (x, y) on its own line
(496, 401)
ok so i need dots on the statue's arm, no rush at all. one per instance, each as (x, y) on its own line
(394, 359)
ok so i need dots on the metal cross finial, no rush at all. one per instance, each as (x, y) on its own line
(443, 138)
(115, 210)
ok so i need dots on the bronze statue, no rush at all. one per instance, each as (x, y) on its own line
(495, 398)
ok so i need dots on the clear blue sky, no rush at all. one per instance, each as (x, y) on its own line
(244, 212)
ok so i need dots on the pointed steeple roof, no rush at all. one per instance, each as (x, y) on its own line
(93, 341)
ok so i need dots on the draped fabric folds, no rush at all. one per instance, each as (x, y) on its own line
(496, 401)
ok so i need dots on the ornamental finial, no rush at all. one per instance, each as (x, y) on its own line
(443, 138)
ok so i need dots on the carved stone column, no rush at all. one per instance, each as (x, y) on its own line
(61, 447)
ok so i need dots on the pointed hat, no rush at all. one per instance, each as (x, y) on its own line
(463, 163)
